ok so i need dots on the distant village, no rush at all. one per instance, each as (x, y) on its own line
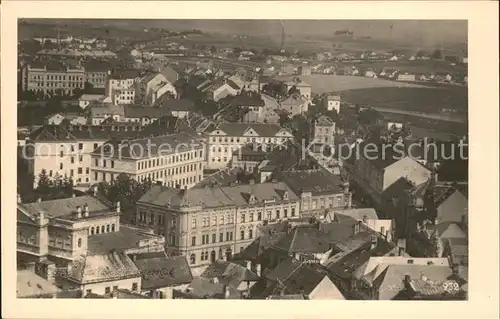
(246, 211)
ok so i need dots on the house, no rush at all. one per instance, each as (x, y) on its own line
(219, 220)
(161, 275)
(226, 138)
(333, 102)
(232, 274)
(220, 91)
(170, 74)
(86, 99)
(293, 277)
(248, 157)
(54, 119)
(120, 86)
(96, 72)
(304, 70)
(406, 77)
(371, 74)
(449, 202)
(295, 104)
(204, 288)
(457, 250)
(150, 87)
(323, 130)
(99, 114)
(303, 87)
(318, 190)
(180, 108)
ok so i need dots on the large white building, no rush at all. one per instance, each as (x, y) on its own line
(175, 160)
(65, 150)
(229, 137)
(120, 87)
(151, 87)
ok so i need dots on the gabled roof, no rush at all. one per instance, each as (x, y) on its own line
(237, 129)
(160, 272)
(67, 207)
(103, 267)
(303, 239)
(317, 182)
(256, 248)
(228, 273)
(174, 104)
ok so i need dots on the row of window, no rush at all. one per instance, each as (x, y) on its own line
(57, 77)
(204, 255)
(205, 239)
(243, 218)
(107, 290)
(224, 220)
(102, 229)
(334, 201)
(104, 163)
(161, 161)
(226, 139)
(174, 183)
(155, 219)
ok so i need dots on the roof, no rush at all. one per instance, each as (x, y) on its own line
(256, 248)
(426, 280)
(167, 104)
(91, 97)
(286, 297)
(237, 129)
(446, 230)
(317, 182)
(103, 111)
(30, 284)
(223, 177)
(296, 277)
(324, 120)
(96, 65)
(138, 111)
(103, 267)
(167, 124)
(293, 100)
(124, 239)
(333, 98)
(62, 133)
(202, 288)
(359, 213)
(228, 273)
(149, 147)
(124, 74)
(159, 272)
(326, 290)
(443, 192)
(237, 195)
(303, 239)
(247, 100)
(67, 207)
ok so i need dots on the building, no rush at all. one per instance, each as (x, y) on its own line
(64, 150)
(120, 86)
(323, 130)
(234, 275)
(150, 87)
(86, 99)
(226, 138)
(303, 87)
(406, 77)
(54, 119)
(295, 104)
(180, 108)
(333, 103)
(96, 73)
(52, 77)
(219, 91)
(304, 70)
(211, 223)
(384, 168)
(248, 158)
(175, 160)
(63, 231)
(170, 74)
(318, 190)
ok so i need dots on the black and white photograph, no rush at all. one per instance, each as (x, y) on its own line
(247, 159)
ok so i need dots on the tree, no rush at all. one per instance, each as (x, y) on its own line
(293, 90)
(213, 49)
(44, 183)
(420, 54)
(237, 50)
(437, 55)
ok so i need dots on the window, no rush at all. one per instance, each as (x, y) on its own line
(193, 241)
(112, 164)
(107, 228)
(259, 216)
(250, 217)
(293, 211)
(227, 236)
(222, 220)
(89, 291)
(192, 259)
(221, 237)
(80, 158)
(277, 213)
(242, 218)
(72, 160)
(242, 234)
(95, 146)
(214, 238)
(134, 286)
(193, 222)
(95, 175)
(268, 215)
(79, 242)
(92, 230)
(107, 290)
(80, 146)
(112, 227)
(96, 162)
(61, 166)
(250, 233)
(214, 220)
(102, 229)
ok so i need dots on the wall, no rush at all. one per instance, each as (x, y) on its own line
(453, 208)
(100, 288)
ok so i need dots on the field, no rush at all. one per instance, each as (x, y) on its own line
(425, 100)
(321, 84)
(415, 66)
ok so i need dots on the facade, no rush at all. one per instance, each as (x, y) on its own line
(52, 77)
(303, 87)
(175, 160)
(120, 87)
(96, 73)
(229, 137)
(65, 150)
(333, 103)
(248, 158)
(211, 223)
(295, 105)
(151, 87)
(323, 130)
(318, 190)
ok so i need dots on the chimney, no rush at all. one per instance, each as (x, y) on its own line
(374, 242)
(258, 269)
(356, 227)
(86, 210)
(118, 208)
(78, 212)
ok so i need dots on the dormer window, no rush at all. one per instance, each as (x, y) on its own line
(285, 196)
(252, 199)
